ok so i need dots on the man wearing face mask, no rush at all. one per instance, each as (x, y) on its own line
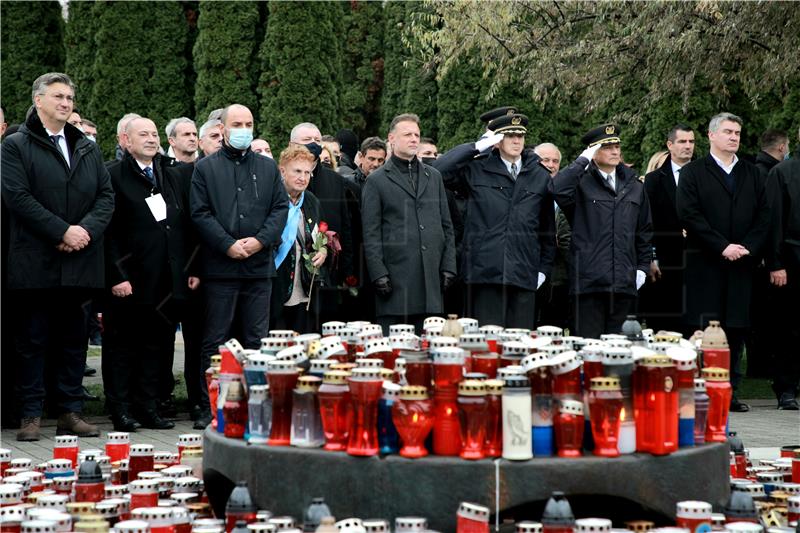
(238, 204)
(90, 129)
(328, 186)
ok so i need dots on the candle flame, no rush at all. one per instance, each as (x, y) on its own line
(414, 418)
(622, 414)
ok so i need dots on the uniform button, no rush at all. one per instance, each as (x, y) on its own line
(239, 189)
(421, 226)
(168, 228)
(237, 163)
(241, 216)
(424, 248)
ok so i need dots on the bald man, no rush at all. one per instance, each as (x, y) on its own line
(148, 264)
(239, 206)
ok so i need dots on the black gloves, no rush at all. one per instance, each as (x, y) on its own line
(383, 286)
(447, 280)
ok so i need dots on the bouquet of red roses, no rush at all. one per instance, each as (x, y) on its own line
(325, 238)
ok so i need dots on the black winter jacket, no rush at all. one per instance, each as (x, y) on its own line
(234, 196)
(44, 197)
(611, 232)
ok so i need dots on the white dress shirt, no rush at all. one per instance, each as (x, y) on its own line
(726, 168)
(676, 172)
(62, 143)
(508, 165)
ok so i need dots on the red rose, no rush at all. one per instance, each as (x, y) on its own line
(323, 226)
(351, 281)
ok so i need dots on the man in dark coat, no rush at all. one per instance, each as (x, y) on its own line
(509, 225)
(239, 207)
(607, 208)
(762, 347)
(329, 188)
(60, 201)
(662, 301)
(722, 203)
(408, 235)
(149, 248)
(786, 279)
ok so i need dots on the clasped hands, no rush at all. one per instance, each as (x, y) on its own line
(732, 252)
(244, 248)
(74, 239)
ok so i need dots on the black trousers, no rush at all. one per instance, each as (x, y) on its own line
(600, 312)
(246, 299)
(762, 345)
(137, 340)
(785, 367)
(502, 305)
(192, 322)
(553, 305)
(50, 321)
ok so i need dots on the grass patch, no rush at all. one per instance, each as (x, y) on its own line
(94, 351)
(99, 408)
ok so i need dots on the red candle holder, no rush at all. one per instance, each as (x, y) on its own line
(694, 516)
(592, 356)
(719, 393)
(448, 372)
(493, 447)
(144, 493)
(418, 368)
(485, 363)
(568, 426)
(401, 342)
(472, 418)
(413, 416)
(655, 405)
(336, 348)
(472, 518)
(235, 411)
(141, 459)
(366, 386)
(118, 446)
(716, 352)
(282, 378)
(335, 409)
(605, 405)
(492, 334)
(332, 328)
(566, 371)
(66, 447)
(513, 352)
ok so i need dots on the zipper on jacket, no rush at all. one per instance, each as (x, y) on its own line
(255, 186)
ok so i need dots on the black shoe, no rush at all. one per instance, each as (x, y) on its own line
(89, 371)
(739, 407)
(787, 402)
(88, 396)
(195, 412)
(125, 422)
(166, 408)
(152, 420)
(203, 421)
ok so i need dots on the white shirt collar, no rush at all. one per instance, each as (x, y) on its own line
(726, 168)
(675, 166)
(142, 166)
(50, 133)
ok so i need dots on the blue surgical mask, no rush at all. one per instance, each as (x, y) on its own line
(240, 138)
(787, 156)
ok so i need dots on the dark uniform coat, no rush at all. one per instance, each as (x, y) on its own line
(408, 236)
(329, 188)
(509, 226)
(787, 178)
(155, 257)
(714, 217)
(44, 197)
(611, 231)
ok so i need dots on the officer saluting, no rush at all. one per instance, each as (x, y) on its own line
(509, 227)
(609, 213)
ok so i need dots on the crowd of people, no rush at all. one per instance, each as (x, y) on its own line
(222, 238)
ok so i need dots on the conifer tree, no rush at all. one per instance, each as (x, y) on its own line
(225, 56)
(80, 50)
(32, 45)
(302, 64)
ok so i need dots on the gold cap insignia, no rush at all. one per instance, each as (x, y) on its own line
(609, 130)
(516, 121)
(509, 112)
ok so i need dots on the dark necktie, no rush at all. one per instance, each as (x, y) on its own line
(148, 173)
(55, 139)
(514, 171)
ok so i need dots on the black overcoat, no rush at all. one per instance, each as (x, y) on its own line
(408, 235)
(715, 216)
(155, 257)
(44, 197)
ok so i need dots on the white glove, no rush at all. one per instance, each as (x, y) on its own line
(485, 142)
(640, 279)
(542, 277)
(590, 151)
